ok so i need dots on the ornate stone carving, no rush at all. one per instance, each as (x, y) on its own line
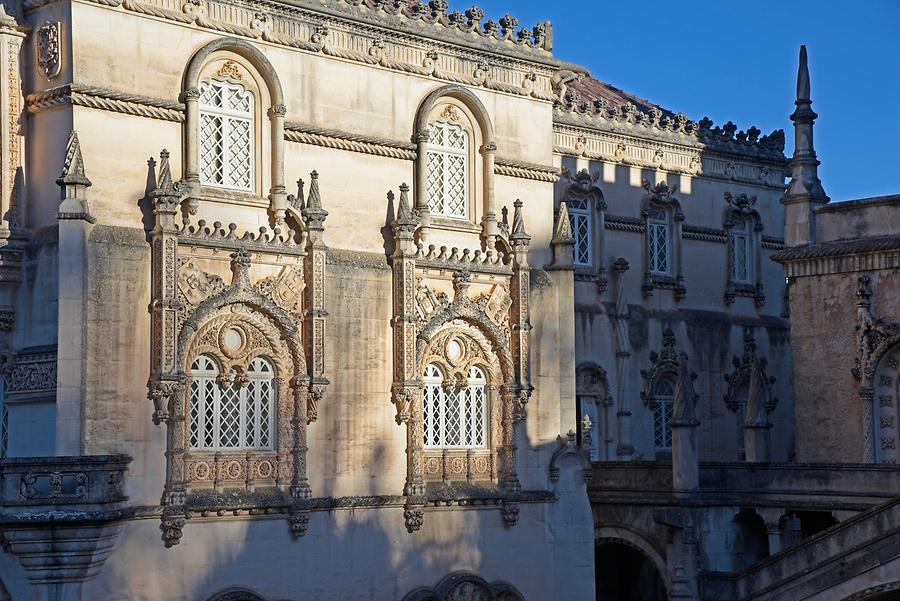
(280, 317)
(749, 385)
(465, 586)
(568, 447)
(230, 70)
(671, 364)
(47, 42)
(488, 329)
(32, 371)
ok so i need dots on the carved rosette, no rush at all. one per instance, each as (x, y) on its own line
(479, 319)
(271, 308)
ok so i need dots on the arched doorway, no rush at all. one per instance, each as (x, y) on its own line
(624, 573)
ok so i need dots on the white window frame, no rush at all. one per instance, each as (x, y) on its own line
(228, 119)
(579, 211)
(740, 235)
(662, 415)
(439, 204)
(436, 401)
(654, 224)
(207, 388)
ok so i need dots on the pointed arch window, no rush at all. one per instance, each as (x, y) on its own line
(659, 243)
(226, 135)
(455, 417)
(447, 170)
(230, 412)
(664, 396)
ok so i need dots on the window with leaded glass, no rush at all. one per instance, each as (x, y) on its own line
(739, 252)
(455, 417)
(580, 218)
(229, 413)
(226, 135)
(664, 397)
(658, 245)
(447, 170)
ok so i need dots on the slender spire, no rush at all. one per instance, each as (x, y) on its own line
(519, 236)
(313, 213)
(73, 165)
(805, 184)
(403, 210)
(315, 199)
(563, 233)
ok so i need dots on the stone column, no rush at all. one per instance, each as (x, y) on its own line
(191, 99)
(685, 466)
(75, 225)
(756, 423)
(421, 190)
(562, 272)
(623, 362)
(489, 222)
(278, 193)
(314, 301)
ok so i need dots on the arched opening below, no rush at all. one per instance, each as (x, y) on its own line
(813, 522)
(625, 574)
(752, 542)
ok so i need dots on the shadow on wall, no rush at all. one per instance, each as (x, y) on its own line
(624, 573)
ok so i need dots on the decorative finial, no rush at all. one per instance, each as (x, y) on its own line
(73, 165)
(403, 209)
(563, 233)
(803, 76)
(315, 200)
(519, 237)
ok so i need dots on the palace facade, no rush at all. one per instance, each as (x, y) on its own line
(368, 299)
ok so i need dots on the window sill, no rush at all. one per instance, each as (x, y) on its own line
(235, 197)
(454, 225)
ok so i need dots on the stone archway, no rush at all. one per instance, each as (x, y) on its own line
(625, 572)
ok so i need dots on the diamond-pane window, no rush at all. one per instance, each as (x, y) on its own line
(447, 170)
(580, 217)
(225, 415)
(664, 395)
(226, 135)
(739, 255)
(658, 242)
(455, 417)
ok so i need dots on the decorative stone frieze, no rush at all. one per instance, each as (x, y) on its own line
(278, 315)
(479, 318)
(30, 374)
(465, 586)
(878, 372)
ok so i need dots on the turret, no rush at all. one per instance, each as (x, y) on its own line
(805, 191)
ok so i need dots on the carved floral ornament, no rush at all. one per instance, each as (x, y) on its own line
(266, 318)
(749, 384)
(483, 323)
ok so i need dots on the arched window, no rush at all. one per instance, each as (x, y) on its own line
(659, 243)
(740, 253)
(455, 417)
(226, 135)
(447, 168)
(664, 395)
(228, 411)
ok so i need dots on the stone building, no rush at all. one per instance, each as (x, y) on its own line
(389, 379)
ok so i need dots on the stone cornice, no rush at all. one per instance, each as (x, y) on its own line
(106, 100)
(679, 129)
(634, 147)
(865, 254)
(338, 29)
(340, 140)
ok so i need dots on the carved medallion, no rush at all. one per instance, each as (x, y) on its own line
(47, 40)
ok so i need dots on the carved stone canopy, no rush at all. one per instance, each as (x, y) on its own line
(661, 196)
(748, 384)
(591, 380)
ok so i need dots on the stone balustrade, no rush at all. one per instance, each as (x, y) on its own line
(78, 480)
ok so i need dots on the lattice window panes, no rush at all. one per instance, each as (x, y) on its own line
(580, 218)
(455, 417)
(226, 135)
(229, 416)
(447, 170)
(739, 252)
(664, 396)
(658, 244)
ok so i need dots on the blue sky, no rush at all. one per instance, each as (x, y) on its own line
(737, 61)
